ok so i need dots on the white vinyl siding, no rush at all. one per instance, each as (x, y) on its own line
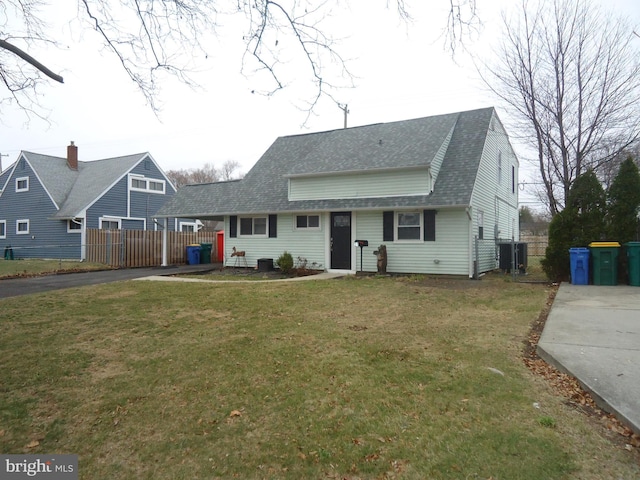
(307, 243)
(497, 200)
(361, 185)
(449, 254)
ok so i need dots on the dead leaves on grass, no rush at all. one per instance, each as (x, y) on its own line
(568, 386)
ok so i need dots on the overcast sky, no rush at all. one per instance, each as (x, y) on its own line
(402, 71)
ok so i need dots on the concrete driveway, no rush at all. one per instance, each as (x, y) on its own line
(593, 333)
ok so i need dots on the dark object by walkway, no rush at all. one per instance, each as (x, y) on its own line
(381, 256)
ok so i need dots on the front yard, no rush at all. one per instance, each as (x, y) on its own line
(353, 378)
(32, 267)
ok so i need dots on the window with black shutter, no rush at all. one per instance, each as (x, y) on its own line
(273, 226)
(429, 225)
(387, 226)
(233, 226)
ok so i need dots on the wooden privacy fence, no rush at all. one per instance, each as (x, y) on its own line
(142, 248)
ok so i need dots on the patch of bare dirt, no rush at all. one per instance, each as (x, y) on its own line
(242, 272)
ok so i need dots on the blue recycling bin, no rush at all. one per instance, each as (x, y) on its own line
(193, 254)
(579, 259)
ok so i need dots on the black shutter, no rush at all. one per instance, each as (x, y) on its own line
(273, 226)
(429, 225)
(233, 226)
(387, 226)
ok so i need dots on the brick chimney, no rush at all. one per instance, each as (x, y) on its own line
(72, 157)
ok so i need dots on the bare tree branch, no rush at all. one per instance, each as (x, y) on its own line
(156, 39)
(30, 60)
(462, 22)
(571, 78)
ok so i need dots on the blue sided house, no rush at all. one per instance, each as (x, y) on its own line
(47, 203)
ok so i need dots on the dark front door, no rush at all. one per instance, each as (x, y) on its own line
(341, 240)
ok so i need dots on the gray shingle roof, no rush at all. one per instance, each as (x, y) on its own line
(403, 144)
(4, 178)
(74, 190)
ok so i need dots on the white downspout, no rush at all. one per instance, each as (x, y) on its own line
(83, 240)
(164, 242)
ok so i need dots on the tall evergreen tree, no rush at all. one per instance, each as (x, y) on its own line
(579, 224)
(588, 199)
(624, 203)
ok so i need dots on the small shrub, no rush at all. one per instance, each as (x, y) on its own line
(303, 268)
(285, 262)
(301, 263)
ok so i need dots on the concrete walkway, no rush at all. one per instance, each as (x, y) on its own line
(12, 287)
(593, 333)
(319, 276)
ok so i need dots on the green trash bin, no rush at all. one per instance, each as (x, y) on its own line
(633, 264)
(605, 262)
(205, 252)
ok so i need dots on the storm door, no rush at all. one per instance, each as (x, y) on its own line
(340, 240)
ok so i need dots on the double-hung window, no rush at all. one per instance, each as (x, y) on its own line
(3, 229)
(253, 226)
(408, 225)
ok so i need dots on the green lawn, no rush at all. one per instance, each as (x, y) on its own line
(353, 378)
(30, 267)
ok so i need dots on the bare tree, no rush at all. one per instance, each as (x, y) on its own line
(463, 21)
(153, 39)
(570, 76)
(229, 170)
(208, 173)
